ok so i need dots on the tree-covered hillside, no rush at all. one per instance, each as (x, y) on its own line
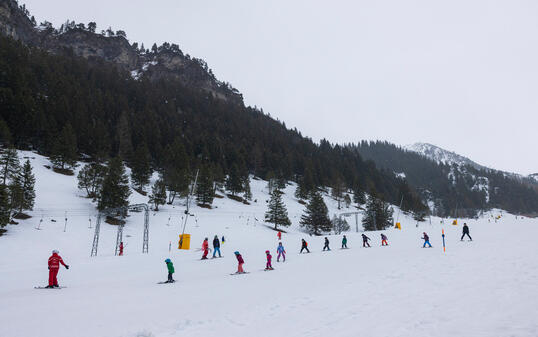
(455, 189)
(48, 100)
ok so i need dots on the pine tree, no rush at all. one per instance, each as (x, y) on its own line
(28, 187)
(338, 191)
(176, 170)
(305, 185)
(9, 165)
(140, 167)
(205, 190)
(277, 213)
(246, 187)
(378, 214)
(16, 195)
(358, 196)
(339, 225)
(316, 218)
(158, 194)
(64, 150)
(234, 183)
(115, 190)
(90, 178)
(5, 209)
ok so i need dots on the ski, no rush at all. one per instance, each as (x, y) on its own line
(166, 282)
(246, 272)
(39, 287)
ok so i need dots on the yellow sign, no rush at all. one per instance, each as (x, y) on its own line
(184, 241)
(398, 225)
(455, 222)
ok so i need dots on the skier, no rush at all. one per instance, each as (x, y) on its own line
(281, 252)
(222, 239)
(426, 239)
(121, 248)
(216, 247)
(344, 242)
(240, 263)
(304, 245)
(326, 246)
(205, 248)
(279, 235)
(171, 271)
(466, 232)
(54, 266)
(268, 266)
(384, 240)
(365, 240)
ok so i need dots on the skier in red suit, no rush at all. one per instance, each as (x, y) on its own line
(54, 266)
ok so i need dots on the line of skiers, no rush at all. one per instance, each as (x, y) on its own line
(55, 259)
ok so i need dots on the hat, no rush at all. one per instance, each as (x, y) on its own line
(236, 253)
(167, 261)
(55, 251)
(266, 252)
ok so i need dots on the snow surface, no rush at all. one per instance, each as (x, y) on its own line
(487, 287)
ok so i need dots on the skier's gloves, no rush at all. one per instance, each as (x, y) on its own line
(67, 267)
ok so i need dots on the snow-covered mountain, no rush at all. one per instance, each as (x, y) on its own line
(441, 155)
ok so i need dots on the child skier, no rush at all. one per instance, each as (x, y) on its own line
(326, 246)
(466, 232)
(240, 263)
(268, 266)
(365, 240)
(281, 252)
(344, 242)
(171, 271)
(384, 240)
(54, 266)
(304, 245)
(426, 239)
(216, 247)
(222, 240)
(121, 248)
(279, 235)
(205, 248)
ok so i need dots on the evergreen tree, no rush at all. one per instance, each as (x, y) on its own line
(358, 196)
(234, 183)
(339, 225)
(90, 178)
(28, 187)
(16, 195)
(140, 167)
(338, 191)
(176, 170)
(277, 213)
(305, 185)
(205, 190)
(115, 190)
(378, 214)
(9, 165)
(158, 194)
(316, 218)
(246, 187)
(64, 149)
(5, 209)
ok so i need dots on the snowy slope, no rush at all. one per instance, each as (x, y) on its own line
(484, 288)
(440, 155)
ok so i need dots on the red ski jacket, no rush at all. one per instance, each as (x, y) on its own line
(55, 260)
(205, 245)
(240, 259)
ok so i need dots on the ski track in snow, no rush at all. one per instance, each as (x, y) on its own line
(488, 287)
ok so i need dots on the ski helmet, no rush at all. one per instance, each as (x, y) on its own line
(167, 261)
(55, 251)
(266, 252)
(236, 253)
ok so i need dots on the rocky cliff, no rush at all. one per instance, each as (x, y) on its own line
(166, 61)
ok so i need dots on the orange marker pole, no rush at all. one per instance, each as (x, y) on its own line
(443, 235)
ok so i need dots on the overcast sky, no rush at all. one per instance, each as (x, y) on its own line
(459, 74)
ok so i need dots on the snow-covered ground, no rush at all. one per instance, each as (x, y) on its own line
(488, 287)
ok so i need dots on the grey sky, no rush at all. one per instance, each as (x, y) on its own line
(459, 74)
